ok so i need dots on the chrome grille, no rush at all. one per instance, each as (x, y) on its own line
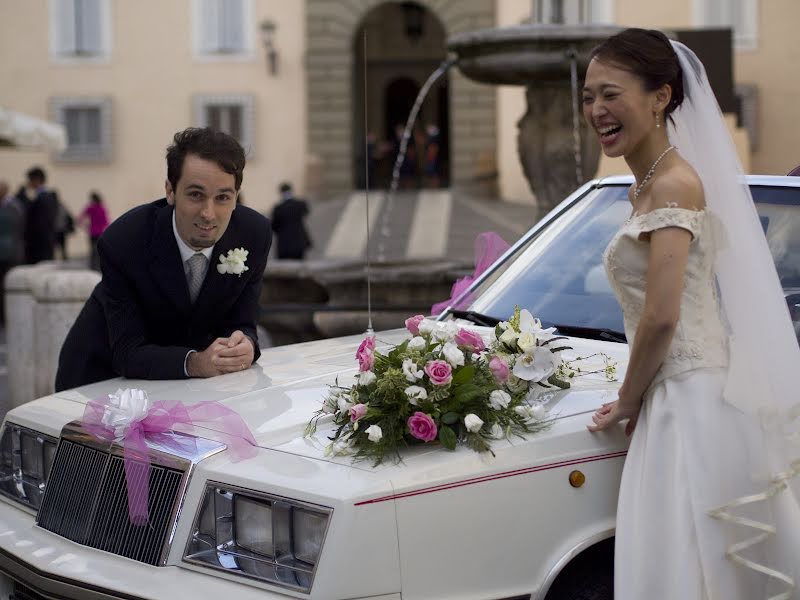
(86, 502)
(86, 498)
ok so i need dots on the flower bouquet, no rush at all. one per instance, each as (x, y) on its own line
(443, 385)
(526, 357)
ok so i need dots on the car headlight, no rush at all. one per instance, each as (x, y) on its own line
(258, 535)
(26, 457)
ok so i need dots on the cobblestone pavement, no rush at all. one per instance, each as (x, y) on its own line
(419, 224)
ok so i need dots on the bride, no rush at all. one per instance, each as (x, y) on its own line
(709, 501)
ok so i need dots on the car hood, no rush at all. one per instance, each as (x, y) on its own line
(278, 395)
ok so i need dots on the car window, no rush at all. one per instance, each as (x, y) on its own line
(559, 276)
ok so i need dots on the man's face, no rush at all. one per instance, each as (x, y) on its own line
(204, 201)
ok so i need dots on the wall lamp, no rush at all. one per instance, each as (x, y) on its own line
(268, 28)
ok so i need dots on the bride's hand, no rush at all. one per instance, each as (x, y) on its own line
(612, 413)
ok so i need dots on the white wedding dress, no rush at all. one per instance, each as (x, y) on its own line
(667, 545)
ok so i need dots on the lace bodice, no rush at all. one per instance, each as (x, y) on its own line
(700, 338)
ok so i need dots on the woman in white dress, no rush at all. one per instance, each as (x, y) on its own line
(708, 506)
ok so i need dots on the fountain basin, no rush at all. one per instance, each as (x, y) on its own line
(526, 54)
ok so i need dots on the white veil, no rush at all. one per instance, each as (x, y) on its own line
(764, 373)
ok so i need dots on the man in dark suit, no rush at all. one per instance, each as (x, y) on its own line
(288, 225)
(40, 218)
(178, 298)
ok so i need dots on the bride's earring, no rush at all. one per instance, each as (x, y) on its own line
(658, 123)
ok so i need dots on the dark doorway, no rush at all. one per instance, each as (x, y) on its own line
(404, 45)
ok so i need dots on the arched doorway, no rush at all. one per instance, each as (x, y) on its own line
(405, 43)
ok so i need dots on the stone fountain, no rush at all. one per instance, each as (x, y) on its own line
(541, 57)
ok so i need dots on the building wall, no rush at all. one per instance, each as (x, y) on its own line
(772, 67)
(151, 78)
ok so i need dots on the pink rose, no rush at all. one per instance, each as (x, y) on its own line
(471, 340)
(499, 369)
(422, 426)
(366, 354)
(357, 411)
(412, 323)
(439, 372)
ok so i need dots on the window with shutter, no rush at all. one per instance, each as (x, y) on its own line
(232, 114)
(220, 27)
(572, 12)
(80, 29)
(87, 121)
(740, 15)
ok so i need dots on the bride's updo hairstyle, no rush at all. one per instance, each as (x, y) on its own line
(649, 55)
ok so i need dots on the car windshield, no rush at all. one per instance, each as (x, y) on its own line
(559, 276)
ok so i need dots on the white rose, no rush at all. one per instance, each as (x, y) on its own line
(366, 378)
(509, 336)
(522, 411)
(526, 341)
(417, 343)
(344, 403)
(415, 393)
(497, 432)
(473, 423)
(538, 411)
(499, 399)
(503, 325)
(411, 371)
(452, 354)
(445, 332)
(426, 326)
(374, 433)
(516, 385)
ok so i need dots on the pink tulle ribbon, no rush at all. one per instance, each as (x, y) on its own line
(488, 248)
(162, 417)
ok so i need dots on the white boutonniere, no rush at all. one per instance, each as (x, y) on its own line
(233, 262)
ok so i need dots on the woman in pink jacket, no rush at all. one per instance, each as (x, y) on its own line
(96, 217)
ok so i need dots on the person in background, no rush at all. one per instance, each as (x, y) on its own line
(64, 225)
(433, 145)
(11, 249)
(95, 218)
(40, 218)
(288, 224)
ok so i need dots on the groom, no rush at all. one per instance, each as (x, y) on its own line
(177, 298)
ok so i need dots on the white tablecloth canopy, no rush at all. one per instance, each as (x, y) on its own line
(24, 131)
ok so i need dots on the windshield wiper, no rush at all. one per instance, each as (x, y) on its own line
(593, 333)
(475, 317)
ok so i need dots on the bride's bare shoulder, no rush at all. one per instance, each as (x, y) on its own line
(678, 187)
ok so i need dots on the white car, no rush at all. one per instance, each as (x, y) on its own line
(533, 521)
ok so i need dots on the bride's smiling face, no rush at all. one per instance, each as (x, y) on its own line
(617, 107)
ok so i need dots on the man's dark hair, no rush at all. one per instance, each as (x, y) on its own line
(36, 174)
(648, 54)
(285, 187)
(208, 144)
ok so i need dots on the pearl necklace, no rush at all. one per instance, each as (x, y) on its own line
(652, 170)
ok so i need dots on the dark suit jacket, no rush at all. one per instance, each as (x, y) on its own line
(139, 321)
(40, 233)
(287, 223)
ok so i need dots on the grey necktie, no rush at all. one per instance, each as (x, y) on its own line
(195, 273)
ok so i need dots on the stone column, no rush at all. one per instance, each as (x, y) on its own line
(20, 330)
(59, 297)
(546, 144)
